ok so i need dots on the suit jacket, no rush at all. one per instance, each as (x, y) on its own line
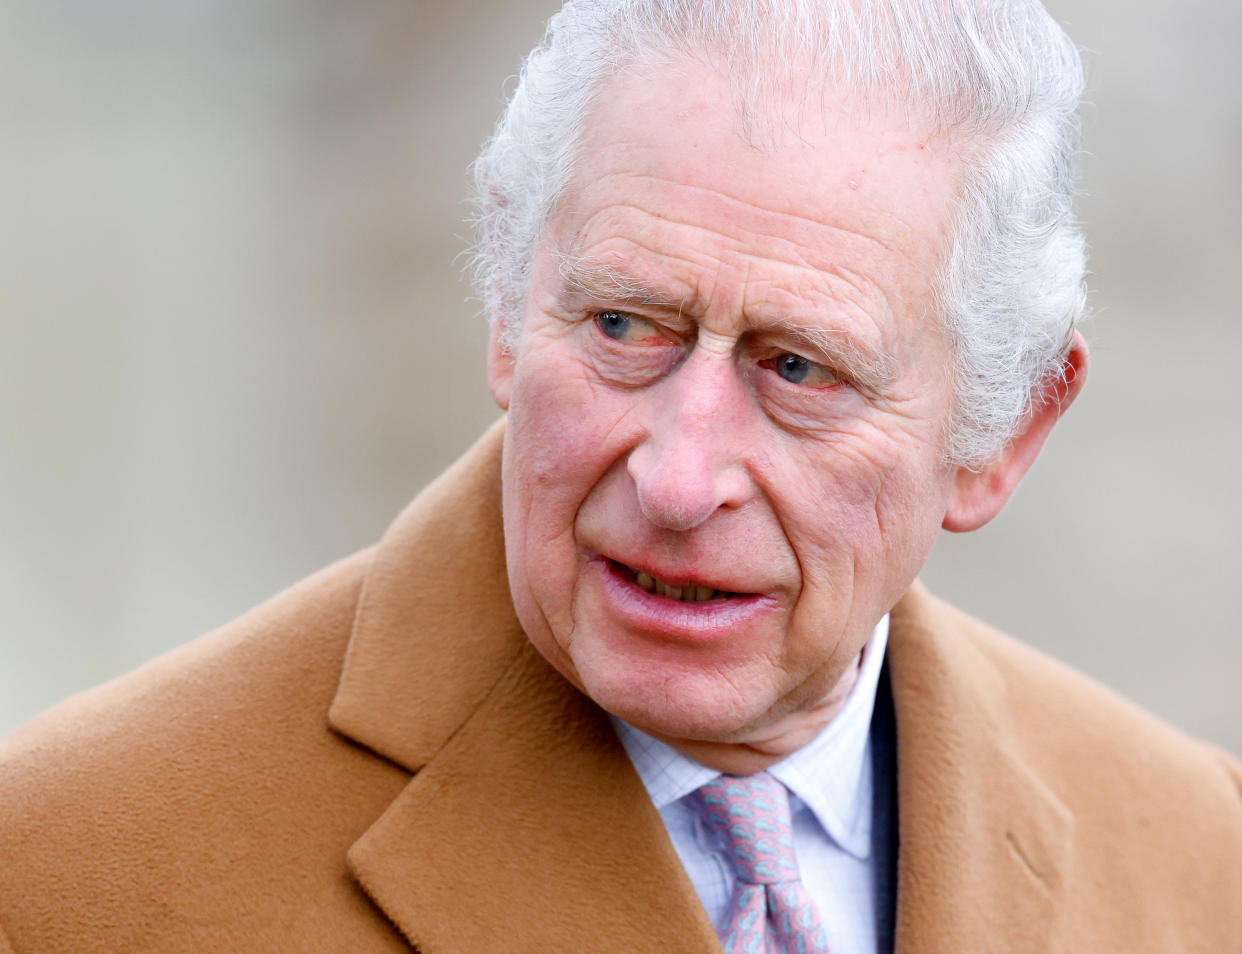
(377, 759)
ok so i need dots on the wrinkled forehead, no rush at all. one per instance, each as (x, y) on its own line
(798, 165)
(763, 112)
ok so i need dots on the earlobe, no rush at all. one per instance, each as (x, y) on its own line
(500, 363)
(979, 495)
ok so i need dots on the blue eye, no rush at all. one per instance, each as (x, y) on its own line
(792, 368)
(615, 324)
(799, 370)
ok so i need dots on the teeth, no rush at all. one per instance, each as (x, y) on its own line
(685, 594)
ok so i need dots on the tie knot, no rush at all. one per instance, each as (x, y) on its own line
(752, 814)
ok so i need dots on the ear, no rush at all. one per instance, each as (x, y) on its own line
(500, 363)
(979, 495)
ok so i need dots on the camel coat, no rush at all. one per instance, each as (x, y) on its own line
(377, 759)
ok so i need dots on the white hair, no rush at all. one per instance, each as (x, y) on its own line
(999, 76)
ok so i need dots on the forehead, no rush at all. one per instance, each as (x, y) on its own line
(674, 193)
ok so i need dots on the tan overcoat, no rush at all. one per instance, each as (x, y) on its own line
(377, 759)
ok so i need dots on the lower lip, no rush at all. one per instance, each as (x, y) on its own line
(703, 621)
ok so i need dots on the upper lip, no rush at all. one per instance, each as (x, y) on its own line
(672, 576)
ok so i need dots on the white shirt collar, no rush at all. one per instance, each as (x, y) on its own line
(831, 775)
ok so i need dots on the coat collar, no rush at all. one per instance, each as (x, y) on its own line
(526, 828)
(435, 629)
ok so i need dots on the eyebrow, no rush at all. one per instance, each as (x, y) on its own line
(609, 284)
(869, 368)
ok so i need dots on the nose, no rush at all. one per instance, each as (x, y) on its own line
(692, 461)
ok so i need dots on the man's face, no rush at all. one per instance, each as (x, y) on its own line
(727, 407)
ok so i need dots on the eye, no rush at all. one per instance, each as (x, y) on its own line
(798, 370)
(613, 323)
(627, 328)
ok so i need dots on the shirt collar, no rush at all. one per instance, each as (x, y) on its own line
(831, 775)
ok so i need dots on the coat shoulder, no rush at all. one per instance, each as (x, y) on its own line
(1145, 797)
(1141, 823)
(1099, 722)
(132, 808)
(1057, 710)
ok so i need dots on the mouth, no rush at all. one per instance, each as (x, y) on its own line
(684, 591)
(684, 609)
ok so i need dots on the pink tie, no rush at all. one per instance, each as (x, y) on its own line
(770, 912)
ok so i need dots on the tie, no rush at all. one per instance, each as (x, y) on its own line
(770, 912)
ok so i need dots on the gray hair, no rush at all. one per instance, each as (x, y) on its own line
(999, 76)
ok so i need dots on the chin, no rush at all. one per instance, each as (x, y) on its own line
(691, 706)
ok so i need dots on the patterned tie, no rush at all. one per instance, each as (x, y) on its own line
(770, 912)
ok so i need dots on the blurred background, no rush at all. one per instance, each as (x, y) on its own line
(235, 340)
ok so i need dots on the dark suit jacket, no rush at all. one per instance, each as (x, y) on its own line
(377, 759)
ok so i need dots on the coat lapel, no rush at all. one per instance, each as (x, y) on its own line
(983, 842)
(525, 828)
(530, 831)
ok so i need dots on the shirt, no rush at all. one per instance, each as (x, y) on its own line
(842, 809)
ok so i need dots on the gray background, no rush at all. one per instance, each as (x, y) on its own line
(234, 338)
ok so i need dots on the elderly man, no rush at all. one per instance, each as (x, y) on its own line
(778, 290)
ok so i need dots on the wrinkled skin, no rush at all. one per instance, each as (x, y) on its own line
(729, 374)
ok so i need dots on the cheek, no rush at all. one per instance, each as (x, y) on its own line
(861, 530)
(563, 434)
(562, 428)
(867, 509)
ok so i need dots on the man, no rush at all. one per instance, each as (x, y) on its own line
(778, 290)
